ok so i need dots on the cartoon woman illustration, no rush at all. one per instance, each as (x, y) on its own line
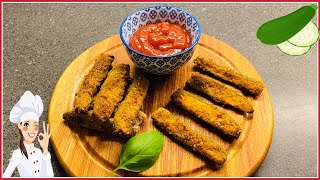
(29, 160)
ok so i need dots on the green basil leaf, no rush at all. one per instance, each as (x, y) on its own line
(141, 152)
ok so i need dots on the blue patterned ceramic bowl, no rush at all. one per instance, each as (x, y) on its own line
(159, 64)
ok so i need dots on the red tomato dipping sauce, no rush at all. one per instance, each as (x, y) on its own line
(162, 39)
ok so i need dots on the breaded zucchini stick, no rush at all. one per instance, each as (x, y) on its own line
(207, 112)
(85, 120)
(90, 122)
(219, 92)
(182, 132)
(239, 80)
(92, 81)
(125, 118)
(111, 92)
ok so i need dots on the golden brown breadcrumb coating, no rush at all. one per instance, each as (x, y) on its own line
(91, 122)
(125, 118)
(92, 81)
(207, 112)
(239, 80)
(220, 92)
(185, 134)
(111, 92)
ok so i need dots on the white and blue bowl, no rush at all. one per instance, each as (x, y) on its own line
(159, 64)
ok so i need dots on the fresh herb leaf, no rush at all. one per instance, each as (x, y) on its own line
(141, 152)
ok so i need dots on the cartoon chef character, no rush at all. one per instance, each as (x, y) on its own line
(29, 160)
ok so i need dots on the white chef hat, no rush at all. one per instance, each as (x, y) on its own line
(29, 107)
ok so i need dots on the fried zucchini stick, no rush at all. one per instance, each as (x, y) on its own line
(92, 81)
(182, 132)
(85, 120)
(90, 122)
(207, 112)
(125, 121)
(111, 92)
(241, 81)
(219, 92)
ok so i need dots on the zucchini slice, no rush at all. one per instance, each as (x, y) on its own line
(306, 37)
(292, 50)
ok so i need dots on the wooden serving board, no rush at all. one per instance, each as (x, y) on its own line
(87, 153)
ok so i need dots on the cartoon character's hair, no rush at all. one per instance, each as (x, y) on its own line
(22, 147)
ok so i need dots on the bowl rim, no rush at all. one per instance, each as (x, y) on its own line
(186, 50)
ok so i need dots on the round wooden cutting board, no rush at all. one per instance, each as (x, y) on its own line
(83, 152)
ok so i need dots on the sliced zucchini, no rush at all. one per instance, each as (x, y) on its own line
(292, 50)
(306, 36)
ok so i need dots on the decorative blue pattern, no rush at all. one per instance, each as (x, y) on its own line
(147, 62)
(155, 64)
(194, 28)
(163, 13)
(182, 17)
(129, 26)
(173, 14)
(135, 21)
(189, 21)
(153, 14)
(173, 61)
(143, 17)
(160, 63)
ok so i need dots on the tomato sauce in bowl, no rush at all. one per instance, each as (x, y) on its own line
(162, 39)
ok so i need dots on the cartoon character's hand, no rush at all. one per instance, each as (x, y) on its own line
(43, 138)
